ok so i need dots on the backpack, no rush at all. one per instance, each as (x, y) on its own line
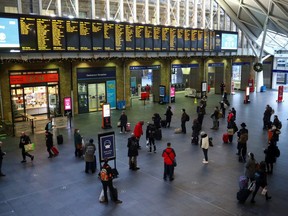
(90, 150)
(104, 175)
(187, 117)
(277, 151)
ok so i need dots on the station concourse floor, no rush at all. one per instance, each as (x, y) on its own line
(59, 186)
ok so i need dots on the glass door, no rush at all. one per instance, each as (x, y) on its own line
(92, 95)
(101, 93)
(53, 101)
(82, 98)
(18, 104)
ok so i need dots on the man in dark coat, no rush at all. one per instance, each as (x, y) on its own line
(242, 143)
(168, 115)
(150, 136)
(24, 140)
(184, 118)
(49, 143)
(270, 156)
(196, 128)
(133, 152)
(123, 122)
(267, 116)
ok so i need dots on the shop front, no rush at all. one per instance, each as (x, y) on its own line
(34, 94)
(96, 86)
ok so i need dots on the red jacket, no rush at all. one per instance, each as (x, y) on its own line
(138, 131)
(169, 156)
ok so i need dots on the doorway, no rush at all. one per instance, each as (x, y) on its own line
(96, 96)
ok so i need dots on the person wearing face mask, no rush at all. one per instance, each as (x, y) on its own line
(78, 143)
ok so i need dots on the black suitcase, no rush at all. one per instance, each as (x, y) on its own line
(243, 195)
(163, 123)
(60, 139)
(158, 134)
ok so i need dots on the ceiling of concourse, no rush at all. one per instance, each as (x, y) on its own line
(251, 16)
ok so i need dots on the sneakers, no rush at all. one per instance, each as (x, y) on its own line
(103, 201)
(118, 201)
(121, 132)
(23, 161)
(205, 162)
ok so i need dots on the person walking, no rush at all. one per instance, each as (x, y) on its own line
(242, 143)
(123, 122)
(270, 156)
(49, 143)
(250, 167)
(132, 146)
(204, 143)
(106, 177)
(222, 87)
(78, 143)
(24, 140)
(267, 116)
(223, 107)
(138, 132)
(234, 113)
(150, 136)
(261, 181)
(49, 125)
(168, 115)
(215, 118)
(196, 128)
(1, 159)
(89, 156)
(169, 156)
(184, 118)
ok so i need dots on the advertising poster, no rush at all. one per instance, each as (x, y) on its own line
(106, 142)
(111, 93)
(67, 103)
(162, 91)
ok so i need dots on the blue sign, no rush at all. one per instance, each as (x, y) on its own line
(216, 65)
(9, 33)
(241, 63)
(107, 148)
(185, 65)
(111, 93)
(280, 71)
(96, 73)
(162, 91)
(154, 67)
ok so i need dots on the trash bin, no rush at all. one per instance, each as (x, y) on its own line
(263, 89)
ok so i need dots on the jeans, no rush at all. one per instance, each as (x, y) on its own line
(205, 151)
(152, 142)
(108, 184)
(183, 127)
(168, 171)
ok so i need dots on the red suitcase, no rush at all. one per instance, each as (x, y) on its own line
(54, 151)
(225, 138)
(128, 127)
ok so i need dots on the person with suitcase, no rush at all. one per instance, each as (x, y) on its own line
(49, 143)
(150, 136)
(89, 156)
(106, 177)
(168, 115)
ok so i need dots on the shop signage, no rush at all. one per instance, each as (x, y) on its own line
(216, 65)
(154, 67)
(185, 65)
(280, 71)
(241, 63)
(95, 73)
(33, 78)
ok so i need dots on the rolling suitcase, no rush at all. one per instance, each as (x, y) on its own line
(60, 139)
(243, 195)
(128, 127)
(54, 151)
(158, 134)
(225, 138)
(163, 123)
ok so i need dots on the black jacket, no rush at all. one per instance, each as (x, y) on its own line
(24, 140)
(49, 140)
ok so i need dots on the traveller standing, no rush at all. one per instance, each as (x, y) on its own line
(267, 116)
(196, 128)
(242, 143)
(169, 156)
(185, 117)
(132, 146)
(261, 181)
(270, 156)
(49, 143)
(24, 140)
(168, 115)
(107, 182)
(215, 117)
(250, 167)
(148, 89)
(204, 143)
(150, 136)
(138, 132)
(277, 123)
(234, 113)
(157, 120)
(201, 112)
(78, 143)
(223, 107)
(222, 87)
(89, 156)
(1, 159)
(232, 129)
(123, 122)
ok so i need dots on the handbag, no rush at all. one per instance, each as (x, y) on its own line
(118, 124)
(230, 131)
(264, 191)
(29, 147)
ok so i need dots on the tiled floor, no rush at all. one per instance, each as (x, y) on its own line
(59, 186)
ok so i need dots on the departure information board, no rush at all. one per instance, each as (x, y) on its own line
(46, 34)
(97, 36)
(28, 36)
(187, 39)
(165, 38)
(85, 35)
(129, 37)
(109, 36)
(180, 39)
(157, 38)
(139, 38)
(119, 37)
(148, 35)
(58, 35)
(72, 35)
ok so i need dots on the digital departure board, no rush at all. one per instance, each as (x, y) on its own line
(206, 40)
(129, 37)
(194, 39)
(58, 35)
(187, 39)
(212, 40)
(157, 38)
(72, 35)
(97, 36)
(44, 34)
(28, 36)
(148, 35)
(200, 44)
(139, 38)
(85, 35)
(119, 37)
(173, 39)
(165, 38)
(180, 39)
(109, 36)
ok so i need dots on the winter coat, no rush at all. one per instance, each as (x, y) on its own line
(168, 115)
(184, 117)
(77, 139)
(132, 147)
(123, 120)
(250, 168)
(157, 120)
(270, 154)
(169, 156)
(138, 131)
(204, 142)
(196, 128)
(150, 131)
(24, 140)
(215, 115)
(89, 157)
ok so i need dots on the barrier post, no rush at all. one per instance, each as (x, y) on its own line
(280, 94)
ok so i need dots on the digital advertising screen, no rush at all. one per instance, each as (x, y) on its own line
(9, 33)
(229, 41)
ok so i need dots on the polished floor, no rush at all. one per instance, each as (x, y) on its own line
(59, 186)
